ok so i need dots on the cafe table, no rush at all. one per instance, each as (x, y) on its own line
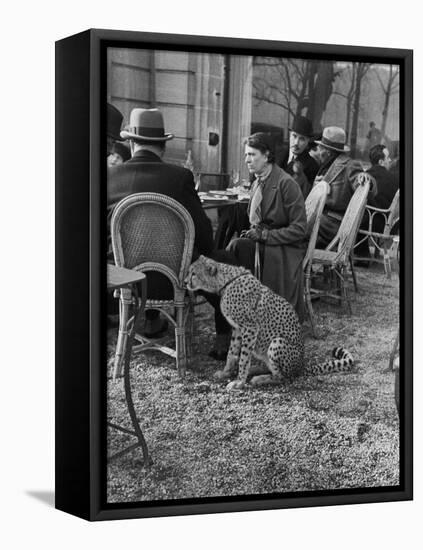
(119, 278)
(232, 213)
(221, 198)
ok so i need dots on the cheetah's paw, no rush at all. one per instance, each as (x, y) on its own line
(265, 379)
(236, 385)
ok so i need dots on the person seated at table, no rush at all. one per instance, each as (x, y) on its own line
(386, 185)
(340, 171)
(277, 223)
(387, 182)
(147, 172)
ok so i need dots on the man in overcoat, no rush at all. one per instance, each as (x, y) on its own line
(147, 172)
(297, 161)
(340, 172)
(386, 181)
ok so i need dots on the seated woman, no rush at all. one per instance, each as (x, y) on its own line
(277, 223)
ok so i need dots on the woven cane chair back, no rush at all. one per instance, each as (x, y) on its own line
(314, 206)
(348, 229)
(313, 203)
(153, 232)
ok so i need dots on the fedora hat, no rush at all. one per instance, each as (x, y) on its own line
(147, 125)
(302, 125)
(114, 122)
(334, 138)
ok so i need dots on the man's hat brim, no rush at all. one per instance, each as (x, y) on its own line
(311, 136)
(129, 135)
(345, 149)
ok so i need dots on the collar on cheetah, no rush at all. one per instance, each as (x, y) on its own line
(232, 280)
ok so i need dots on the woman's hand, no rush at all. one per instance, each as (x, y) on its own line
(255, 234)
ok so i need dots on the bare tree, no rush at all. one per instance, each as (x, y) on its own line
(320, 90)
(390, 87)
(298, 86)
(350, 74)
(361, 70)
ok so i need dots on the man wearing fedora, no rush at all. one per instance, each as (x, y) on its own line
(298, 162)
(146, 171)
(340, 171)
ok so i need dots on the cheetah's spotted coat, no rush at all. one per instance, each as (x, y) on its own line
(264, 325)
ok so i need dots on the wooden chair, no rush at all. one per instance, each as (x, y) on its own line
(314, 206)
(380, 241)
(153, 232)
(334, 260)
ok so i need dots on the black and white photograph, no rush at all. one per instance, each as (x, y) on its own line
(254, 274)
(211, 261)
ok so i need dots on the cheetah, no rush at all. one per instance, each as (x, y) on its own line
(264, 325)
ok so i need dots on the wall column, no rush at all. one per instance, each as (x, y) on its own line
(239, 109)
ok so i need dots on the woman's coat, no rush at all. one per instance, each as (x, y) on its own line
(283, 214)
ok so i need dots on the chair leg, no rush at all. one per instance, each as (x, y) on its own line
(345, 299)
(180, 343)
(189, 330)
(353, 275)
(309, 305)
(386, 261)
(122, 336)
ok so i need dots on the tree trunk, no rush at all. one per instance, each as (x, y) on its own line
(321, 93)
(386, 103)
(350, 97)
(361, 71)
(305, 96)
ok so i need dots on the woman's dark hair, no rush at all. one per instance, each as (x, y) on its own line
(264, 143)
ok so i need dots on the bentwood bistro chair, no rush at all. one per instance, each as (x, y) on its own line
(153, 232)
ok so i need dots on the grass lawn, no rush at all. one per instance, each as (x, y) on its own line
(326, 432)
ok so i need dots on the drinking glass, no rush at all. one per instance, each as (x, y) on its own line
(234, 178)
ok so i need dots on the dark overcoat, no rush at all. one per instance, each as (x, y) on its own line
(386, 184)
(310, 169)
(145, 172)
(341, 176)
(283, 213)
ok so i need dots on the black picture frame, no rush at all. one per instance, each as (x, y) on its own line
(81, 280)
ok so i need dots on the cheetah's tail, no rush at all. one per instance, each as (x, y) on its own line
(342, 361)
